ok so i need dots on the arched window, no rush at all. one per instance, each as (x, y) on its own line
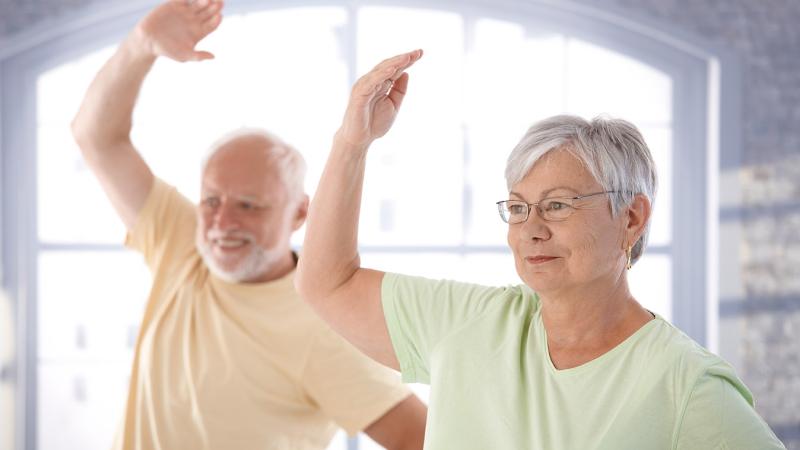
(490, 71)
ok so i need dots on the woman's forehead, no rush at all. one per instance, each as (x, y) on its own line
(558, 172)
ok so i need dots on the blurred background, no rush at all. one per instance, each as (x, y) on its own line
(713, 85)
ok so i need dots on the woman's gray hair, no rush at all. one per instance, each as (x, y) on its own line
(290, 163)
(613, 151)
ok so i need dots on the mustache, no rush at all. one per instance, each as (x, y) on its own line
(215, 234)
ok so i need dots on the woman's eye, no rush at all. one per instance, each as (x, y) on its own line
(555, 206)
(517, 209)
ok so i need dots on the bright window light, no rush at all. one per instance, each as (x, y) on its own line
(431, 185)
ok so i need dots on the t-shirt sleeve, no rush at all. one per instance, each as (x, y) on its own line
(720, 416)
(165, 227)
(348, 386)
(421, 312)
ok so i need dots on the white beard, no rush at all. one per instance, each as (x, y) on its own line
(252, 266)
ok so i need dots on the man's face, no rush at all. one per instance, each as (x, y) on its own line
(246, 214)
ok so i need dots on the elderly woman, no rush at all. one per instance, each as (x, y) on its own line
(570, 359)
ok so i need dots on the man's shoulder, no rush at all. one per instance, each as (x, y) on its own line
(165, 230)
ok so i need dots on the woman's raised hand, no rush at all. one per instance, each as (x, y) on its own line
(374, 101)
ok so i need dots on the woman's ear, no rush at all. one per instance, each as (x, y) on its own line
(638, 215)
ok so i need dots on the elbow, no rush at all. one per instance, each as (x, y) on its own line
(86, 137)
(96, 142)
(80, 132)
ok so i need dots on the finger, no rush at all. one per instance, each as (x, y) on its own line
(202, 55)
(400, 62)
(209, 11)
(212, 23)
(398, 91)
(404, 63)
(377, 81)
(390, 69)
(401, 58)
(197, 5)
(369, 85)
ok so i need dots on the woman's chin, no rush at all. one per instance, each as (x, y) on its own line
(542, 282)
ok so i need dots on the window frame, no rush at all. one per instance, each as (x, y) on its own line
(706, 107)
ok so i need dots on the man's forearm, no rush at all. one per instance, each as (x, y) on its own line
(105, 116)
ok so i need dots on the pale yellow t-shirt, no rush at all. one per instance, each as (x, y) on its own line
(236, 366)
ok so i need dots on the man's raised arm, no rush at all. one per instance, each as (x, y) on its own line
(103, 124)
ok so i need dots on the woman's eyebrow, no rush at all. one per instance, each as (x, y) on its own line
(546, 192)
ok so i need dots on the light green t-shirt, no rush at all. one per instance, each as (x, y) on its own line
(484, 352)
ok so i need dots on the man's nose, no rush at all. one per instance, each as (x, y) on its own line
(225, 217)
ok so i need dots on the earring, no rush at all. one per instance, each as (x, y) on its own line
(628, 253)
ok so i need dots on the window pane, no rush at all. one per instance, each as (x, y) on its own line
(414, 179)
(650, 282)
(185, 107)
(659, 139)
(489, 149)
(59, 91)
(508, 91)
(80, 404)
(433, 181)
(515, 77)
(601, 81)
(339, 441)
(90, 305)
(431, 265)
(71, 207)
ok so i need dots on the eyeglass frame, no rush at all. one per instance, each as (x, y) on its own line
(539, 209)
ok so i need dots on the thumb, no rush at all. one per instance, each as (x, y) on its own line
(202, 55)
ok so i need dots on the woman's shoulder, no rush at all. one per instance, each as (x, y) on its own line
(458, 298)
(455, 289)
(673, 350)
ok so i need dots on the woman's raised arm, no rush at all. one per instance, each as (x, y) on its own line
(329, 274)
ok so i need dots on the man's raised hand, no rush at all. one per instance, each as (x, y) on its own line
(174, 28)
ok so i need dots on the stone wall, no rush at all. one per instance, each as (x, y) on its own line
(763, 326)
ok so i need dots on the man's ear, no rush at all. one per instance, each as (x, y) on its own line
(301, 212)
(638, 215)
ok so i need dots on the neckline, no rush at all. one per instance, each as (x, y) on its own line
(630, 340)
(278, 285)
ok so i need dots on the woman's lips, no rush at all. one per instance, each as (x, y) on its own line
(539, 259)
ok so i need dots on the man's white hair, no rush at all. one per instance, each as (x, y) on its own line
(290, 163)
(612, 150)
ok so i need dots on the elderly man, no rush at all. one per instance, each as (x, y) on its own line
(227, 357)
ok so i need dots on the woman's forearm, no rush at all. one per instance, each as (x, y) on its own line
(331, 240)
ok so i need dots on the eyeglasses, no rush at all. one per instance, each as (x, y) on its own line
(552, 209)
